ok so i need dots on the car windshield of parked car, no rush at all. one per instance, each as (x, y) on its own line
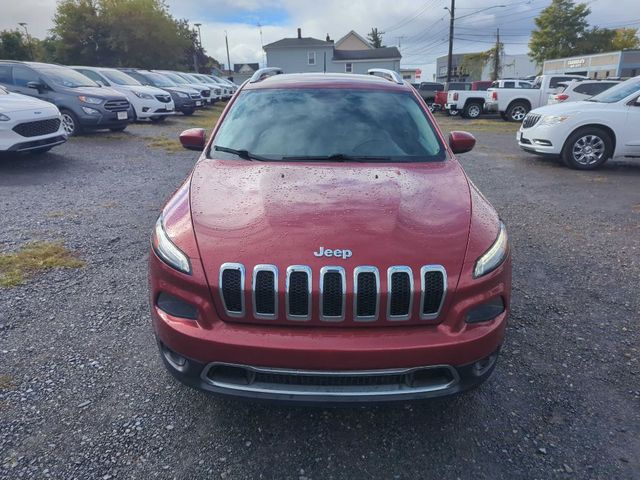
(328, 124)
(119, 78)
(160, 80)
(175, 78)
(619, 92)
(66, 77)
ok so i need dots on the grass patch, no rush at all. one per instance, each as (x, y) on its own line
(16, 267)
(205, 118)
(496, 125)
(164, 143)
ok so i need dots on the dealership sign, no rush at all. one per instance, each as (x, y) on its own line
(576, 62)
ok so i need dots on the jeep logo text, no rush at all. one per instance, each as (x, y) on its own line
(327, 252)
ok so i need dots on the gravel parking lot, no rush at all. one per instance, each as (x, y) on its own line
(83, 393)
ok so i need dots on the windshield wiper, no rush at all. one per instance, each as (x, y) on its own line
(244, 154)
(337, 157)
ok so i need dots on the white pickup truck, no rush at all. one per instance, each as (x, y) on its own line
(468, 101)
(513, 104)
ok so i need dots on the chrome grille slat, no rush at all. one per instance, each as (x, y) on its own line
(298, 292)
(264, 288)
(399, 293)
(530, 120)
(362, 293)
(232, 288)
(333, 291)
(433, 287)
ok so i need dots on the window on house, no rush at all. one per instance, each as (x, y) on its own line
(348, 68)
(311, 58)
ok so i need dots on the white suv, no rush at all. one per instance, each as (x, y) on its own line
(28, 124)
(576, 90)
(148, 102)
(587, 133)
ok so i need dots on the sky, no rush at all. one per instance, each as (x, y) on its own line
(420, 28)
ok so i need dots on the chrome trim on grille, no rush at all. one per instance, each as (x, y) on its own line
(356, 271)
(265, 268)
(339, 270)
(233, 266)
(423, 270)
(307, 270)
(390, 272)
(310, 390)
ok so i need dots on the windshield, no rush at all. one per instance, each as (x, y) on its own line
(66, 77)
(119, 78)
(296, 124)
(176, 78)
(160, 80)
(619, 92)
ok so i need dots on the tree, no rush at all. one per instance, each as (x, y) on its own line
(559, 27)
(595, 40)
(473, 63)
(625, 38)
(13, 46)
(375, 38)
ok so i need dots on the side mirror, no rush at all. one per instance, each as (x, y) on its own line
(461, 142)
(193, 139)
(638, 101)
(36, 85)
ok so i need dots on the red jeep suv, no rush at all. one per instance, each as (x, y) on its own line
(328, 248)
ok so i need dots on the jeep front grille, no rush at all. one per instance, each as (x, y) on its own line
(332, 285)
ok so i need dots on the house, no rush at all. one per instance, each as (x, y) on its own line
(351, 54)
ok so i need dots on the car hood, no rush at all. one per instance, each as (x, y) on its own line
(101, 92)
(568, 108)
(144, 89)
(281, 213)
(15, 102)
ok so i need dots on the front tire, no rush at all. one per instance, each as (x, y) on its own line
(70, 122)
(472, 110)
(587, 149)
(517, 111)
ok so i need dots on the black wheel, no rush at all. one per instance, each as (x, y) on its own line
(472, 110)
(118, 129)
(188, 112)
(158, 119)
(587, 149)
(70, 122)
(40, 151)
(517, 111)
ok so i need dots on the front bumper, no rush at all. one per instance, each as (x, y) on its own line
(451, 106)
(104, 119)
(10, 141)
(541, 140)
(491, 107)
(153, 108)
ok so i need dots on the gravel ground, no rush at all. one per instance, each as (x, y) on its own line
(84, 394)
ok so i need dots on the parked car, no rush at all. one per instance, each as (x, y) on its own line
(576, 90)
(427, 91)
(469, 102)
(185, 99)
(585, 134)
(305, 300)
(441, 96)
(513, 104)
(148, 102)
(218, 91)
(184, 81)
(511, 83)
(232, 86)
(83, 103)
(28, 124)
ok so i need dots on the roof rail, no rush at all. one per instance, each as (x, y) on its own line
(391, 75)
(263, 73)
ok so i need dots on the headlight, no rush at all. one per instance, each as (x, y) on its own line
(4, 118)
(167, 251)
(143, 95)
(92, 100)
(552, 119)
(91, 111)
(182, 95)
(493, 257)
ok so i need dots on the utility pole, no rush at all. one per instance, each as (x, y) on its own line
(496, 57)
(452, 12)
(226, 41)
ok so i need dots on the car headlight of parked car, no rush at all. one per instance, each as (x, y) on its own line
(167, 250)
(4, 118)
(143, 95)
(91, 100)
(493, 257)
(552, 119)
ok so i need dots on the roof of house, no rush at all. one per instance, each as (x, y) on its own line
(299, 42)
(353, 33)
(373, 54)
(238, 66)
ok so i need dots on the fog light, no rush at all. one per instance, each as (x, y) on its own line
(145, 109)
(174, 359)
(483, 366)
(91, 111)
(545, 143)
(486, 311)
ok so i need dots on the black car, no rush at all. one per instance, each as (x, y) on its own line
(84, 104)
(185, 99)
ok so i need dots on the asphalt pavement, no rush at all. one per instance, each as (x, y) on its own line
(84, 395)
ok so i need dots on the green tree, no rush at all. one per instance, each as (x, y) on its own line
(13, 46)
(625, 38)
(375, 38)
(559, 28)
